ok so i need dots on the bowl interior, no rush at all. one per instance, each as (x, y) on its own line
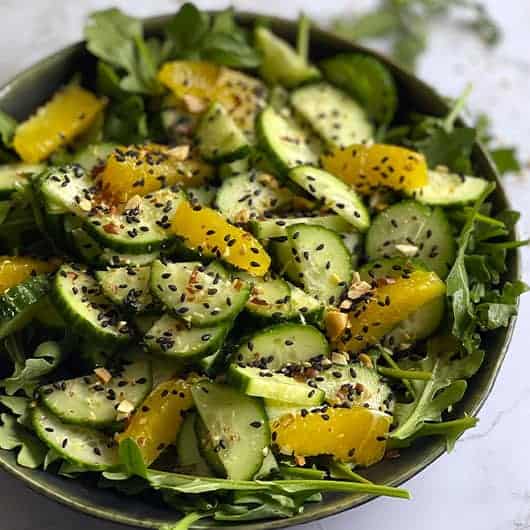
(34, 86)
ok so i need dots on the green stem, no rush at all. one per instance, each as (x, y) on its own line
(344, 471)
(390, 361)
(450, 119)
(186, 521)
(398, 373)
(302, 38)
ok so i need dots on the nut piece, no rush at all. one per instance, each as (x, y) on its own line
(125, 407)
(180, 152)
(336, 323)
(103, 375)
(299, 460)
(407, 250)
(358, 289)
(195, 104)
(339, 358)
(365, 360)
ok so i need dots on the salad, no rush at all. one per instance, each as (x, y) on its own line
(238, 277)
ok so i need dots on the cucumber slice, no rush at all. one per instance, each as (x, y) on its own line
(234, 432)
(249, 196)
(347, 386)
(202, 195)
(214, 364)
(266, 384)
(353, 241)
(114, 259)
(276, 228)
(171, 338)
(14, 177)
(415, 230)
(127, 287)
(20, 303)
(269, 298)
(334, 116)
(285, 142)
(335, 194)
(90, 402)
(84, 446)
(140, 227)
(449, 189)
(219, 138)
(269, 467)
(367, 80)
(420, 324)
(236, 168)
(305, 307)
(283, 344)
(189, 458)
(93, 155)
(196, 296)
(321, 264)
(280, 62)
(78, 297)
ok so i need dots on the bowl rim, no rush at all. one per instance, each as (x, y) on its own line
(324, 510)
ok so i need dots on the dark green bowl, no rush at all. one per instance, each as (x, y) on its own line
(32, 87)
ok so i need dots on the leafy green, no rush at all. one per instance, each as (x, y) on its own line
(118, 39)
(407, 24)
(13, 436)
(28, 372)
(449, 370)
(505, 159)
(126, 121)
(193, 34)
(185, 522)
(8, 126)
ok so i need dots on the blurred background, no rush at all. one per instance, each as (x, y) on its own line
(484, 483)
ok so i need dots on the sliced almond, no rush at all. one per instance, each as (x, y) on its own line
(103, 375)
(358, 289)
(85, 205)
(194, 104)
(299, 460)
(125, 407)
(336, 323)
(407, 250)
(339, 358)
(365, 360)
(180, 152)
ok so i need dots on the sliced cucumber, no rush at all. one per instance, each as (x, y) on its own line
(171, 338)
(367, 80)
(321, 263)
(249, 196)
(234, 444)
(283, 344)
(266, 384)
(353, 241)
(114, 259)
(280, 62)
(78, 297)
(269, 467)
(335, 194)
(93, 156)
(269, 297)
(214, 364)
(195, 296)
(219, 138)
(285, 142)
(335, 117)
(412, 229)
(233, 169)
(14, 177)
(189, 458)
(127, 287)
(140, 227)
(449, 189)
(276, 228)
(19, 303)
(305, 307)
(420, 324)
(84, 446)
(202, 195)
(91, 402)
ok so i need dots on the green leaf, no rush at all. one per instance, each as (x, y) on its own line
(229, 50)
(126, 121)
(447, 386)
(131, 458)
(185, 522)
(13, 436)
(8, 126)
(451, 430)
(28, 372)
(506, 160)
(187, 29)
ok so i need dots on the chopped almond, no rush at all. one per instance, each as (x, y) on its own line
(339, 358)
(365, 360)
(407, 250)
(103, 375)
(194, 104)
(335, 324)
(300, 460)
(180, 152)
(358, 289)
(85, 205)
(125, 407)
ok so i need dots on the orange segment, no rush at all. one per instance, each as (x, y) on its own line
(374, 317)
(207, 231)
(70, 112)
(367, 167)
(243, 96)
(16, 269)
(352, 435)
(157, 421)
(138, 170)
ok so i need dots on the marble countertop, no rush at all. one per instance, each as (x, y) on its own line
(484, 484)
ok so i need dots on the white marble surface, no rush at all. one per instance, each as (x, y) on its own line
(484, 484)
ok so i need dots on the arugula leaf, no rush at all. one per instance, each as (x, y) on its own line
(8, 126)
(28, 372)
(118, 39)
(185, 522)
(127, 121)
(447, 386)
(13, 436)
(229, 50)
(506, 160)
(497, 308)
(451, 430)
(19, 406)
(186, 30)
